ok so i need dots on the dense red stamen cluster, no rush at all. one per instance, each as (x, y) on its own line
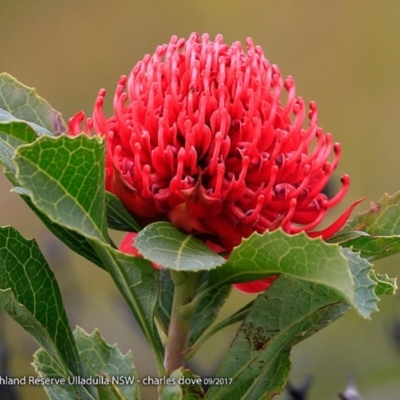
(200, 137)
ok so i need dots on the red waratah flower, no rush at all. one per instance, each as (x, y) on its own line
(200, 137)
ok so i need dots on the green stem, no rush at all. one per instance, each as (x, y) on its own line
(179, 327)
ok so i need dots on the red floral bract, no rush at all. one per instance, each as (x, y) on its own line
(201, 137)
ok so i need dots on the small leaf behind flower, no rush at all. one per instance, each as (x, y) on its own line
(384, 284)
(171, 248)
(382, 219)
(118, 217)
(13, 133)
(24, 103)
(374, 233)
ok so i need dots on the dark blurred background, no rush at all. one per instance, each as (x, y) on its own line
(344, 55)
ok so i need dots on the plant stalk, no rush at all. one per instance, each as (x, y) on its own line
(179, 327)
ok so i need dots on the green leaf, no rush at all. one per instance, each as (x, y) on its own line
(101, 359)
(171, 248)
(13, 133)
(164, 303)
(258, 360)
(374, 233)
(73, 240)
(6, 118)
(112, 373)
(55, 379)
(65, 179)
(118, 217)
(24, 103)
(207, 311)
(137, 281)
(290, 311)
(382, 219)
(384, 284)
(187, 386)
(238, 316)
(365, 298)
(297, 256)
(370, 247)
(30, 295)
(110, 392)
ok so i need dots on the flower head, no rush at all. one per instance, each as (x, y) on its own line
(201, 137)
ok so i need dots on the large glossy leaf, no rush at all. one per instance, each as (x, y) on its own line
(294, 255)
(291, 310)
(297, 256)
(77, 242)
(14, 133)
(258, 360)
(64, 177)
(30, 295)
(24, 103)
(300, 257)
(65, 181)
(171, 248)
(374, 233)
